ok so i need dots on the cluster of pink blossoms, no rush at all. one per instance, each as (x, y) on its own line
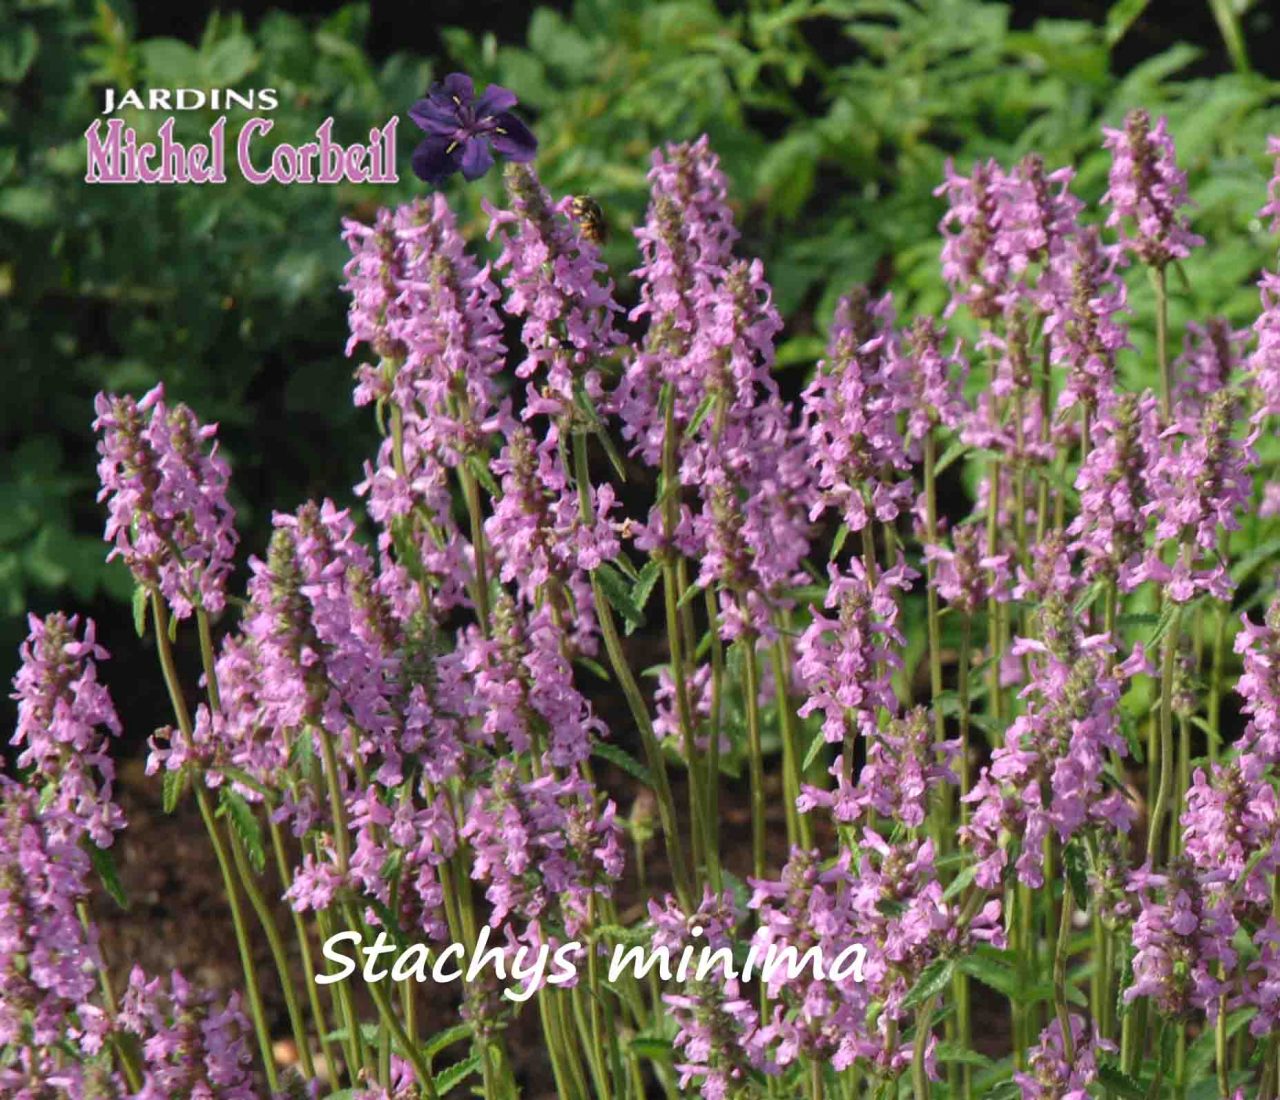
(414, 720)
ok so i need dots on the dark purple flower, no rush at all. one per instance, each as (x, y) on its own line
(464, 132)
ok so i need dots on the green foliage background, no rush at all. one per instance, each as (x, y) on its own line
(834, 119)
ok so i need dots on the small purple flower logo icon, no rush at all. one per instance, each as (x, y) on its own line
(463, 132)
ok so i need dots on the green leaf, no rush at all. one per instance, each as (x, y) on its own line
(1121, 16)
(961, 881)
(1077, 864)
(949, 456)
(837, 543)
(618, 592)
(598, 430)
(932, 981)
(104, 864)
(245, 824)
(390, 925)
(1120, 1083)
(1200, 1054)
(811, 754)
(700, 414)
(690, 594)
(953, 1052)
(173, 786)
(643, 587)
(17, 52)
(606, 750)
(1229, 24)
(594, 667)
(451, 1078)
(446, 1038)
(140, 611)
(480, 471)
(652, 1046)
(229, 60)
(992, 973)
(246, 780)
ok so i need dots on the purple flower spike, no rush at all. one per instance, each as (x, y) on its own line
(464, 132)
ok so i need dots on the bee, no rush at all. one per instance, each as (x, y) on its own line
(590, 218)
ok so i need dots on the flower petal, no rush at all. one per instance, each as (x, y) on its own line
(513, 139)
(434, 161)
(458, 86)
(436, 115)
(476, 158)
(495, 99)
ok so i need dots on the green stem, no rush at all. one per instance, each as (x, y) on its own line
(252, 985)
(798, 823)
(931, 592)
(168, 667)
(1216, 682)
(654, 757)
(124, 1051)
(755, 754)
(684, 714)
(1162, 341)
(919, 1072)
(1062, 949)
(267, 920)
(304, 946)
(1167, 763)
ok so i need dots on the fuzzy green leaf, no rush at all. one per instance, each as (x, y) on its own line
(933, 980)
(618, 592)
(245, 824)
(451, 1078)
(173, 786)
(624, 760)
(104, 864)
(446, 1038)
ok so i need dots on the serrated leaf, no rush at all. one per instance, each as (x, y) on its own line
(104, 864)
(932, 981)
(245, 824)
(621, 758)
(644, 585)
(446, 1038)
(480, 471)
(452, 1077)
(389, 923)
(953, 1052)
(618, 592)
(246, 780)
(991, 973)
(173, 786)
(1120, 1083)
(1201, 1053)
(1077, 865)
(368, 1032)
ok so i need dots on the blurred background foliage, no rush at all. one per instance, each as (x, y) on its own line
(834, 119)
